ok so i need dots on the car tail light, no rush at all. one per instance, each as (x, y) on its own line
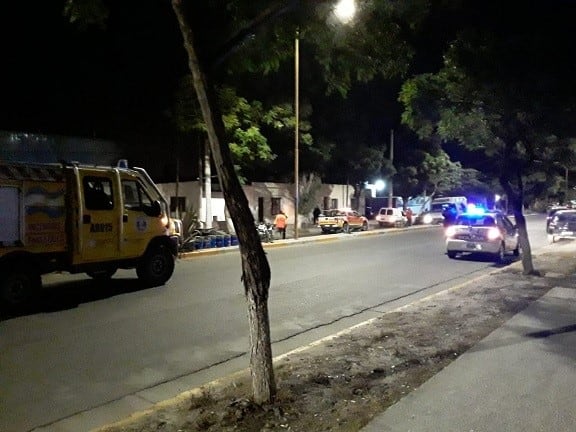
(493, 234)
(450, 231)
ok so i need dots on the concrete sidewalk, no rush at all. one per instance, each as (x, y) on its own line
(520, 378)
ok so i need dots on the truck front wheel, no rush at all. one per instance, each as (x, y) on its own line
(18, 287)
(156, 267)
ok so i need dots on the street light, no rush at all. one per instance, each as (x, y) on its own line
(380, 185)
(344, 11)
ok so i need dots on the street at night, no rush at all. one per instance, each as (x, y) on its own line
(95, 348)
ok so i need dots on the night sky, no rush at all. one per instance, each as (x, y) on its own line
(116, 84)
(119, 84)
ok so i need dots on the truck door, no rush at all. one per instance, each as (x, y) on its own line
(100, 217)
(140, 224)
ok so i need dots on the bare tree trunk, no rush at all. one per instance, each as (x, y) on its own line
(255, 267)
(516, 199)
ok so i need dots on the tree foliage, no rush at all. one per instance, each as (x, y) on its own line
(498, 93)
(334, 57)
(440, 173)
(372, 44)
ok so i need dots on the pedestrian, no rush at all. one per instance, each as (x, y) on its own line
(316, 214)
(409, 216)
(449, 214)
(280, 223)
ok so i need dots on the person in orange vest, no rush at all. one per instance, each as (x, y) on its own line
(409, 215)
(280, 222)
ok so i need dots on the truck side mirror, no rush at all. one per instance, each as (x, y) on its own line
(154, 210)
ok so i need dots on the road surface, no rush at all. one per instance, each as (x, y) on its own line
(95, 349)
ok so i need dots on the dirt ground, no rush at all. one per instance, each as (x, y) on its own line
(341, 383)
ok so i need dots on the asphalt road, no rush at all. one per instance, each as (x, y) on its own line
(93, 351)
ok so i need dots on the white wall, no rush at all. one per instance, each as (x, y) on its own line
(253, 191)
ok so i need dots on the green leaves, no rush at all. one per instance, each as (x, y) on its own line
(86, 13)
(441, 172)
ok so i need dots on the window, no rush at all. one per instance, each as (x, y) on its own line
(98, 193)
(131, 198)
(135, 197)
(354, 202)
(178, 203)
(334, 203)
(275, 206)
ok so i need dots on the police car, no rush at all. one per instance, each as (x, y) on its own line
(482, 232)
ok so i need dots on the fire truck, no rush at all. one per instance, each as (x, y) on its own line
(79, 218)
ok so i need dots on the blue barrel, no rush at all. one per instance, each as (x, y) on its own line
(233, 240)
(206, 240)
(212, 241)
(219, 241)
(198, 243)
(226, 239)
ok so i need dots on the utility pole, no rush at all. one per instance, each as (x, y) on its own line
(566, 199)
(296, 130)
(391, 188)
(208, 185)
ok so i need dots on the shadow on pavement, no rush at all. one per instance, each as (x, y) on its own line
(66, 295)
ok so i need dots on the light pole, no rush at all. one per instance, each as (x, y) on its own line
(566, 184)
(344, 11)
(296, 129)
(391, 188)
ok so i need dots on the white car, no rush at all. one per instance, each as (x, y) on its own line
(478, 232)
(389, 216)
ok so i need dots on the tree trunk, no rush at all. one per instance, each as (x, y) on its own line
(516, 199)
(255, 267)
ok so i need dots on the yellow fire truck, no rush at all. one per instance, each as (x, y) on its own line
(80, 219)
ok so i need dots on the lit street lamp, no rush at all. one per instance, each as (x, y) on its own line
(344, 11)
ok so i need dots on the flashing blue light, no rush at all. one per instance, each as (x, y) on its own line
(473, 209)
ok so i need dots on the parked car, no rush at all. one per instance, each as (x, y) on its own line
(438, 210)
(490, 233)
(562, 225)
(550, 216)
(392, 217)
(341, 220)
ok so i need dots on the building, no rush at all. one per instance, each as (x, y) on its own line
(265, 200)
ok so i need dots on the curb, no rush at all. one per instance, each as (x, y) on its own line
(312, 238)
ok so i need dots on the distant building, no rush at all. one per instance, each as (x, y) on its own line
(265, 200)
(38, 148)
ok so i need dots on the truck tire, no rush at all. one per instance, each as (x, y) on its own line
(156, 267)
(18, 287)
(102, 274)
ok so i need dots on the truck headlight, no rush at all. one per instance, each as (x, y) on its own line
(427, 218)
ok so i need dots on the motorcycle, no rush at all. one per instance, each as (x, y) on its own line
(265, 231)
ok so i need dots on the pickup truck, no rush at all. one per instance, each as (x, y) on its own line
(341, 220)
